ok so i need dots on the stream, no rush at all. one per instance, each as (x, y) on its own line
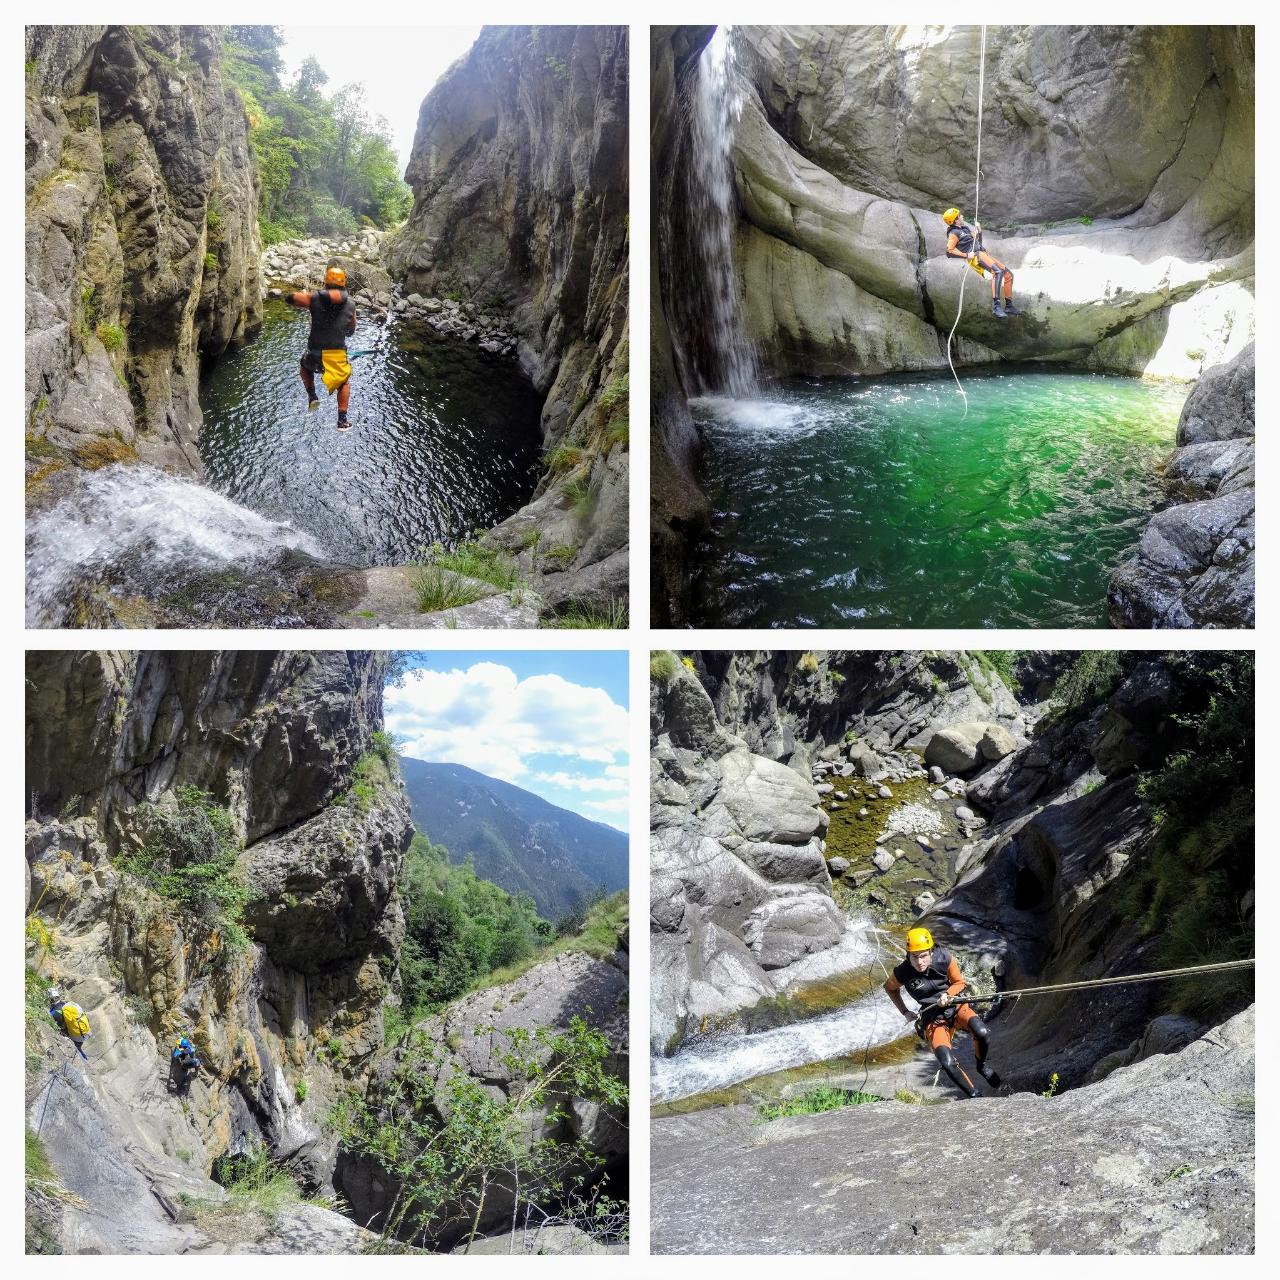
(445, 440)
(875, 503)
(720, 1061)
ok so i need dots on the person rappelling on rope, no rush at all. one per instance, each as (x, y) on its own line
(333, 320)
(70, 1019)
(964, 241)
(931, 977)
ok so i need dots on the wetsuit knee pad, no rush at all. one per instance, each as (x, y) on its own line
(981, 1036)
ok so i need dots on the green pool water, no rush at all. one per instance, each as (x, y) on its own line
(861, 503)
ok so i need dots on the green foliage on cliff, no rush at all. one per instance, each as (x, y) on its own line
(1202, 795)
(325, 166)
(187, 854)
(458, 928)
(1090, 679)
(453, 1141)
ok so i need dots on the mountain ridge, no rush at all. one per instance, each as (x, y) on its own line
(522, 842)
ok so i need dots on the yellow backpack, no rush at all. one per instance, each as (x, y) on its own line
(73, 1018)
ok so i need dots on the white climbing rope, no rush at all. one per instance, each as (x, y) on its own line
(977, 192)
(1158, 975)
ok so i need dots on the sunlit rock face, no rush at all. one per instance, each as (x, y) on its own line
(1117, 183)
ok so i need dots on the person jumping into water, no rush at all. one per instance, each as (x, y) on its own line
(964, 241)
(333, 320)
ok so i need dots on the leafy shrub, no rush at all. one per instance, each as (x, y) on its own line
(1202, 858)
(662, 666)
(1090, 679)
(110, 335)
(808, 663)
(454, 1141)
(188, 855)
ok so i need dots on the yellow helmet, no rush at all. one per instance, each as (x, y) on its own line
(336, 277)
(919, 940)
(950, 216)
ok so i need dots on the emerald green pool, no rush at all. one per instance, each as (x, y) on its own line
(861, 503)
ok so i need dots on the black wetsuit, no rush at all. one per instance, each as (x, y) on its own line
(967, 241)
(331, 323)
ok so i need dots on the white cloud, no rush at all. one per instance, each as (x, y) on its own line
(486, 718)
(616, 804)
(572, 782)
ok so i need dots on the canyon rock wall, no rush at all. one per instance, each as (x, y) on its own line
(519, 173)
(283, 1025)
(1117, 183)
(1195, 564)
(142, 246)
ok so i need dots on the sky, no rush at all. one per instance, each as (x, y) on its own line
(397, 66)
(552, 723)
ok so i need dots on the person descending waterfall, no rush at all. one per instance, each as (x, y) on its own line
(931, 977)
(964, 241)
(333, 320)
(70, 1019)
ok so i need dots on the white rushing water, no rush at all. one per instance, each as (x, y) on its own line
(716, 1064)
(731, 1058)
(716, 108)
(137, 521)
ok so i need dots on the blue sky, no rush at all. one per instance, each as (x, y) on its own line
(552, 723)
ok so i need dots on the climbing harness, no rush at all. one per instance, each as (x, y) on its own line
(977, 191)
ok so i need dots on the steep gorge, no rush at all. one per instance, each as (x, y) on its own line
(1117, 183)
(144, 262)
(804, 803)
(216, 847)
(284, 1023)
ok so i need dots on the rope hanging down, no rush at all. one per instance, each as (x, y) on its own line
(977, 192)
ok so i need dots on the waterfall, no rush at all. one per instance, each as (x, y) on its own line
(133, 526)
(729, 360)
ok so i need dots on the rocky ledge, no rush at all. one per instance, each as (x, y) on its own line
(1194, 564)
(1156, 1158)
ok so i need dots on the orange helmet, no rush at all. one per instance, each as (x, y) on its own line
(336, 277)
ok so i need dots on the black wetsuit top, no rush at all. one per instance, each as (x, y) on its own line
(330, 322)
(966, 241)
(925, 988)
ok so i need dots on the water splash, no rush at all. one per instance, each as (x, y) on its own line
(713, 212)
(130, 526)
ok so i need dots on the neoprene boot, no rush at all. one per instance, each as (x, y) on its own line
(313, 403)
(343, 424)
(997, 309)
(1011, 310)
(990, 1075)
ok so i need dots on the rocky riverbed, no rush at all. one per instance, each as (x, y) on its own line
(301, 264)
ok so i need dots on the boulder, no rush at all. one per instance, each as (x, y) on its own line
(784, 930)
